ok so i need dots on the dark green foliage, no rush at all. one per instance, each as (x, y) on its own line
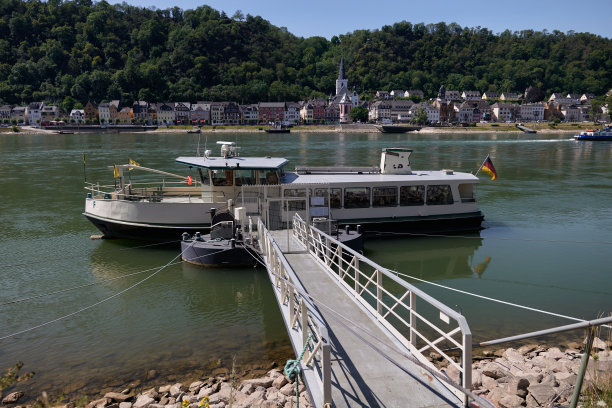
(359, 113)
(96, 51)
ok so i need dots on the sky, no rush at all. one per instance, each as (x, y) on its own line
(329, 18)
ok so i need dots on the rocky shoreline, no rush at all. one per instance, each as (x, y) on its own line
(529, 376)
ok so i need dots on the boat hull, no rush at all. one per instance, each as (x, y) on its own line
(431, 225)
(113, 229)
(217, 254)
(597, 138)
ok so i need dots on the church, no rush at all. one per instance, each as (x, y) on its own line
(344, 99)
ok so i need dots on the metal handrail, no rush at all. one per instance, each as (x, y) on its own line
(303, 316)
(375, 287)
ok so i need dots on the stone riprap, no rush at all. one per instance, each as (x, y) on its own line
(270, 391)
(535, 376)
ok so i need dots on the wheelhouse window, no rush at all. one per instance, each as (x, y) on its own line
(357, 197)
(466, 192)
(412, 195)
(384, 196)
(246, 177)
(298, 205)
(439, 195)
(222, 177)
(268, 177)
(322, 192)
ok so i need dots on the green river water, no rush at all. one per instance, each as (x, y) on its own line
(547, 244)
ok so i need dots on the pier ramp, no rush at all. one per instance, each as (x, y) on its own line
(362, 332)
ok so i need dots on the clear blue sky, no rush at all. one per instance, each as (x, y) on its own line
(329, 18)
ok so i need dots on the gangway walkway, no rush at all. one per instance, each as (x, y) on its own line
(339, 368)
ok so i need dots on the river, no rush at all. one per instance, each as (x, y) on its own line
(546, 244)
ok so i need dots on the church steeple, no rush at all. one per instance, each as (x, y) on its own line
(341, 75)
(342, 81)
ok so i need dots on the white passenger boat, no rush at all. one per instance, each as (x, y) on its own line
(384, 200)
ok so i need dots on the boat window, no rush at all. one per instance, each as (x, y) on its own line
(298, 205)
(357, 197)
(412, 195)
(222, 177)
(245, 177)
(384, 196)
(268, 177)
(439, 195)
(466, 192)
(335, 198)
(322, 192)
(204, 177)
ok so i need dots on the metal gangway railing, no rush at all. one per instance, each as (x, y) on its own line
(306, 326)
(393, 303)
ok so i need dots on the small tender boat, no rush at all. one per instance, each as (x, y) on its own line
(227, 245)
(592, 134)
(195, 130)
(398, 128)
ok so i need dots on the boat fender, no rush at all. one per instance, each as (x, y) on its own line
(232, 243)
(185, 236)
(359, 229)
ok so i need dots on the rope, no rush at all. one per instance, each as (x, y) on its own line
(493, 299)
(95, 304)
(292, 371)
(96, 283)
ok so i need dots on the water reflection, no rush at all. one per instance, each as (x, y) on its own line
(430, 258)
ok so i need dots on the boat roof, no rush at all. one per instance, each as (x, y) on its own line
(426, 176)
(235, 162)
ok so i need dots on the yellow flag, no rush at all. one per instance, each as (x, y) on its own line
(133, 163)
(116, 172)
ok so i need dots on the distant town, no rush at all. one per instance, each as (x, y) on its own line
(393, 106)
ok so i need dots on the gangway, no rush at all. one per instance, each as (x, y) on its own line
(367, 332)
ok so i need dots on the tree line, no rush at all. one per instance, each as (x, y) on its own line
(70, 52)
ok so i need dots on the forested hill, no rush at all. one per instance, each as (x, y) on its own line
(57, 49)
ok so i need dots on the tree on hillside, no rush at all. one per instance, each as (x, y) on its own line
(534, 94)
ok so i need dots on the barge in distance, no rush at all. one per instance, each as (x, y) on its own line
(389, 199)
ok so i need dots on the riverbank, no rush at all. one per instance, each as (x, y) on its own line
(541, 128)
(529, 376)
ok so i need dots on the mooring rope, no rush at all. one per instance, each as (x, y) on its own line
(97, 303)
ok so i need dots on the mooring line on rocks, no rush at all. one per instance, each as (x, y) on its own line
(97, 303)
(533, 309)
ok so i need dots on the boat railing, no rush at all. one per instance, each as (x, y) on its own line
(308, 330)
(154, 192)
(430, 327)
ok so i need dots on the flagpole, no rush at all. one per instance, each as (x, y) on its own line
(480, 168)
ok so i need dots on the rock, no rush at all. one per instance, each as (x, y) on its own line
(288, 390)
(495, 371)
(164, 389)
(279, 382)
(274, 373)
(554, 353)
(530, 401)
(164, 401)
(118, 397)
(99, 403)
(496, 394)
(514, 356)
(599, 344)
(542, 393)
(125, 405)
(12, 398)
(251, 399)
(511, 401)
(176, 389)
(208, 391)
(488, 382)
(143, 401)
(260, 382)
(526, 349)
(195, 387)
(518, 387)
(477, 378)
(246, 389)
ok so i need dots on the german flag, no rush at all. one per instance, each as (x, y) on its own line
(488, 167)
